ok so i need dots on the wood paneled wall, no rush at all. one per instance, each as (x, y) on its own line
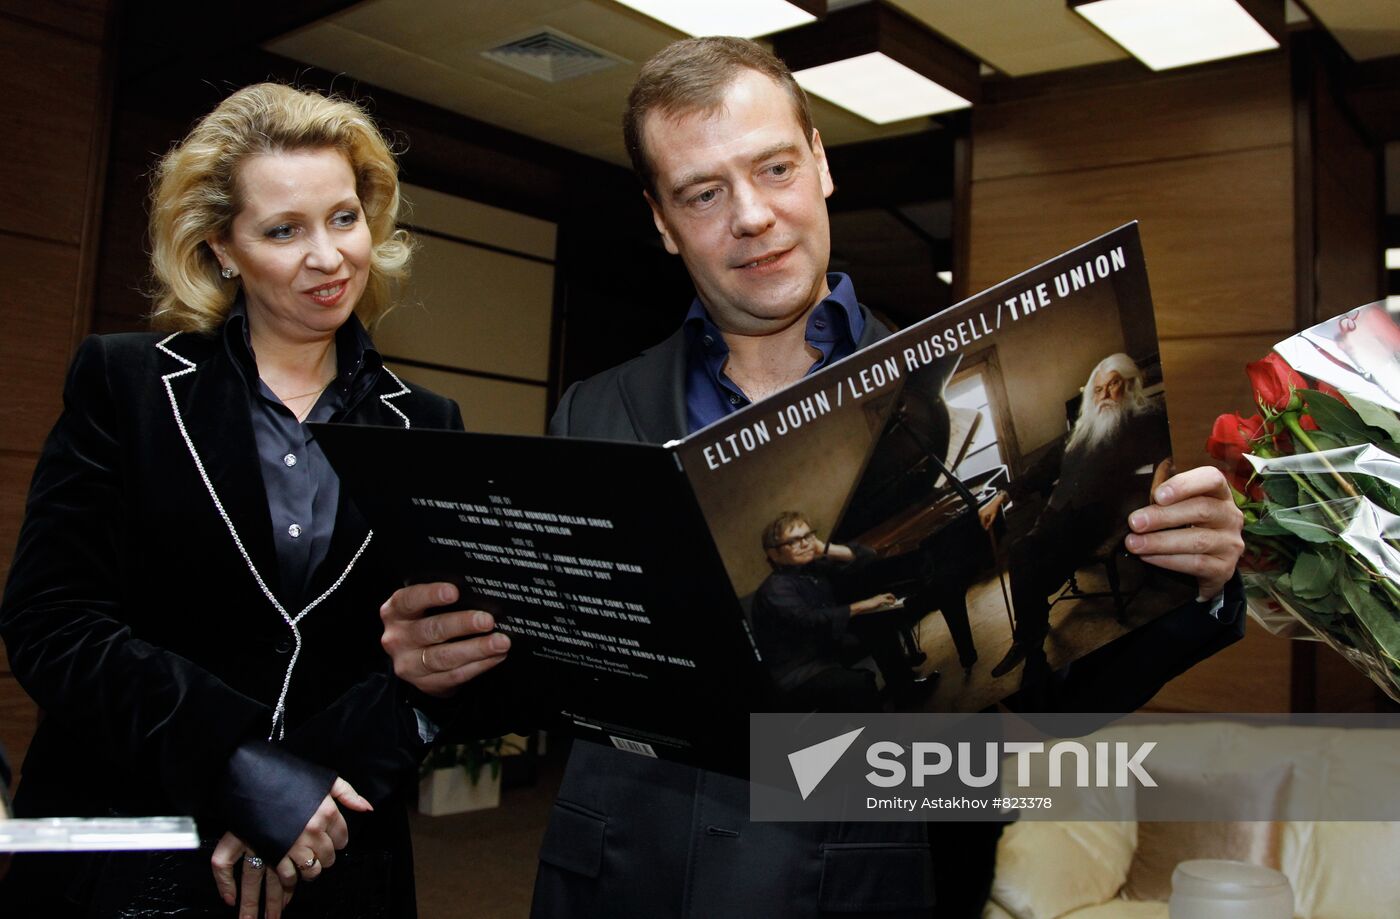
(1342, 197)
(1205, 160)
(53, 103)
(475, 320)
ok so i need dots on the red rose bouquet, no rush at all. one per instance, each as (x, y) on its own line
(1317, 474)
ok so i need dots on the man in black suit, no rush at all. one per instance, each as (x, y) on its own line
(721, 137)
(804, 631)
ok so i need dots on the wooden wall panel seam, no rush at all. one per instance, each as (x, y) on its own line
(1281, 332)
(464, 371)
(462, 240)
(1127, 164)
(49, 27)
(40, 238)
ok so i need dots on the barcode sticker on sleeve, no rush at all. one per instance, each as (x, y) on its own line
(632, 746)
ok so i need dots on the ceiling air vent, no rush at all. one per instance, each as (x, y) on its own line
(551, 56)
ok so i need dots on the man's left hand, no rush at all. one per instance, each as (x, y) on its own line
(1193, 527)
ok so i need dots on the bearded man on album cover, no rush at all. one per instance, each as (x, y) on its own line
(1105, 471)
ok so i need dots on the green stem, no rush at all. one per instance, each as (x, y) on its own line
(1290, 421)
(1318, 499)
(1381, 578)
(1387, 585)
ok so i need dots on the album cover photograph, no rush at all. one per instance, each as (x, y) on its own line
(940, 517)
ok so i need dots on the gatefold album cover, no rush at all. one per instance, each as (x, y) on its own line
(921, 526)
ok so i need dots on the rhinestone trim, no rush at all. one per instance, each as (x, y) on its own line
(279, 727)
(403, 391)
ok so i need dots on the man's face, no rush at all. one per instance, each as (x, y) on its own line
(798, 546)
(1108, 390)
(740, 197)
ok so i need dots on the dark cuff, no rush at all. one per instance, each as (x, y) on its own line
(369, 736)
(1232, 611)
(269, 795)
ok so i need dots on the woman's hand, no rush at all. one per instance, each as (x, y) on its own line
(312, 852)
(326, 832)
(254, 879)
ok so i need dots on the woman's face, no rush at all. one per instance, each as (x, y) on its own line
(300, 243)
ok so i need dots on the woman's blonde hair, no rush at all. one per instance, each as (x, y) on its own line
(195, 196)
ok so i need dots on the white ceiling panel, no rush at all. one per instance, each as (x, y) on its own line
(1017, 37)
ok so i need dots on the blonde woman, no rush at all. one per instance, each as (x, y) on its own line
(194, 601)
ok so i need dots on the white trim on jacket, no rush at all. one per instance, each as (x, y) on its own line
(279, 727)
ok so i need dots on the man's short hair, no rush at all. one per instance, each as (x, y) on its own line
(785, 521)
(691, 75)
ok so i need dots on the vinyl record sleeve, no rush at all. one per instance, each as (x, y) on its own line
(944, 468)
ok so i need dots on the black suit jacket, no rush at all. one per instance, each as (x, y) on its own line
(635, 837)
(134, 620)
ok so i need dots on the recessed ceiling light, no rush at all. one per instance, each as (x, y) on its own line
(742, 18)
(876, 60)
(1174, 33)
(1392, 259)
(879, 89)
(946, 277)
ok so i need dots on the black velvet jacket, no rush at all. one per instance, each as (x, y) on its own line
(136, 618)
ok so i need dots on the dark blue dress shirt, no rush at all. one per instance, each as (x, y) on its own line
(303, 490)
(833, 328)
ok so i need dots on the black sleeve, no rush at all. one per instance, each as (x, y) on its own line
(64, 626)
(1041, 476)
(267, 795)
(1124, 675)
(864, 557)
(779, 599)
(559, 421)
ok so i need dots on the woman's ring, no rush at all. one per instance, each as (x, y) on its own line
(310, 863)
(253, 862)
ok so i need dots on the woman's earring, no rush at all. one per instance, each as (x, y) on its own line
(228, 272)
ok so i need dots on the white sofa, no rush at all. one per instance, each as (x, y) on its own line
(1338, 870)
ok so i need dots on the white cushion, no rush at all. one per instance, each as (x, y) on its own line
(1348, 871)
(1047, 869)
